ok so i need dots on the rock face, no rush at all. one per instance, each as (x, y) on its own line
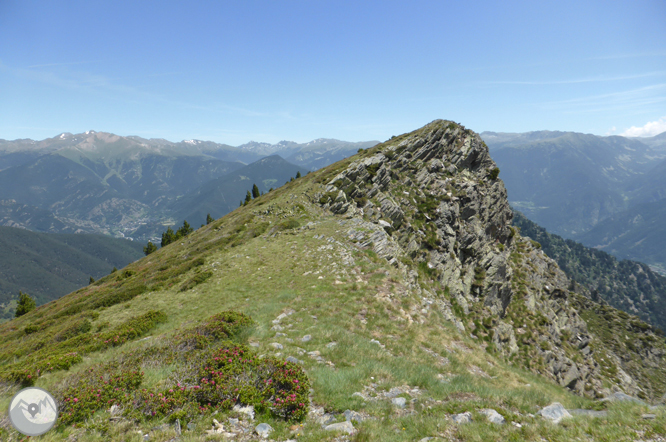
(431, 200)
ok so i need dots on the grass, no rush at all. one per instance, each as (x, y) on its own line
(262, 261)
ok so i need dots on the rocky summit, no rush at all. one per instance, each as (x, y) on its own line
(386, 297)
(433, 199)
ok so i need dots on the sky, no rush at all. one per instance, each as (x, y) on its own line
(235, 71)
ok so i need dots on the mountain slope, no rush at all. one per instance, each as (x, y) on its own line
(391, 282)
(626, 285)
(105, 183)
(222, 195)
(570, 183)
(47, 266)
(638, 233)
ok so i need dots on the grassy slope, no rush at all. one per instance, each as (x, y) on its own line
(47, 266)
(347, 304)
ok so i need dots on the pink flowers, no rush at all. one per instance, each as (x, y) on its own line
(76, 399)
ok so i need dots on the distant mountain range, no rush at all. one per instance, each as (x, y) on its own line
(606, 192)
(98, 182)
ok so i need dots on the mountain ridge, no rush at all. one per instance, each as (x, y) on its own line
(391, 283)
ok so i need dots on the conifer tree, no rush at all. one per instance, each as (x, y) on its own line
(114, 270)
(149, 248)
(168, 237)
(25, 304)
(184, 230)
(248, 197)
(255, 191)
(92, 280)
(298, 174)
(209, 219)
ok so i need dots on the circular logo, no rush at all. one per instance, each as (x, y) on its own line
(33, 411)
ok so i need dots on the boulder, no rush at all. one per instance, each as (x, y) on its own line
(462, 418)
(263, 430)
(345, 427)
(353, 416)
(554, 412)
(493, 416)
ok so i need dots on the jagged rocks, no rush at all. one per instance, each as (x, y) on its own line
(430, 199)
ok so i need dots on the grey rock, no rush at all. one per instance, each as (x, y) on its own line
(619, 396)
(462, 418)
(191, 426)
(146, 437)
(306, 338)
(399, 402)
(263, 430)
(177, 427)
(554, 412)
(345, 427)
(276, 345)
(393, 392)
(590, 413)
(331, 344)
(248, 410)
(493, 416)
(649, 416)
(326, 419)
(294, 360)
(353, 416)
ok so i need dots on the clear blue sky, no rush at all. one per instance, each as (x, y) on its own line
(234, 71)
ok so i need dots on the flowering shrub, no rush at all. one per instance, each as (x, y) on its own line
(28, 374)
(97, 392)
(233, 374)
(221, 326)
(61, 355)
(210, 378)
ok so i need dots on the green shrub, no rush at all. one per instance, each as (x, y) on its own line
(30, 328)
(75, 329)
(196, 280)
(494, 173)
(119, 296)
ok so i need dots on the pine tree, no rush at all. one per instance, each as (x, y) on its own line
(255, 191)
(184, 230)
(270, 190)
(149, 248)
(298, 174)
(210, 219)
(248, 197)
(25, 304)
(114, 270)
(92, 280)
(168, 237)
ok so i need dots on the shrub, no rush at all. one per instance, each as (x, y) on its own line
(77, 328)
(119, 296)
(196, 280)
(494, 173)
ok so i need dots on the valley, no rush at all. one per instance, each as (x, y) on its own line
(391, 285)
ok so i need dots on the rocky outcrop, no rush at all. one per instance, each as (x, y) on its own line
(432, 201)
